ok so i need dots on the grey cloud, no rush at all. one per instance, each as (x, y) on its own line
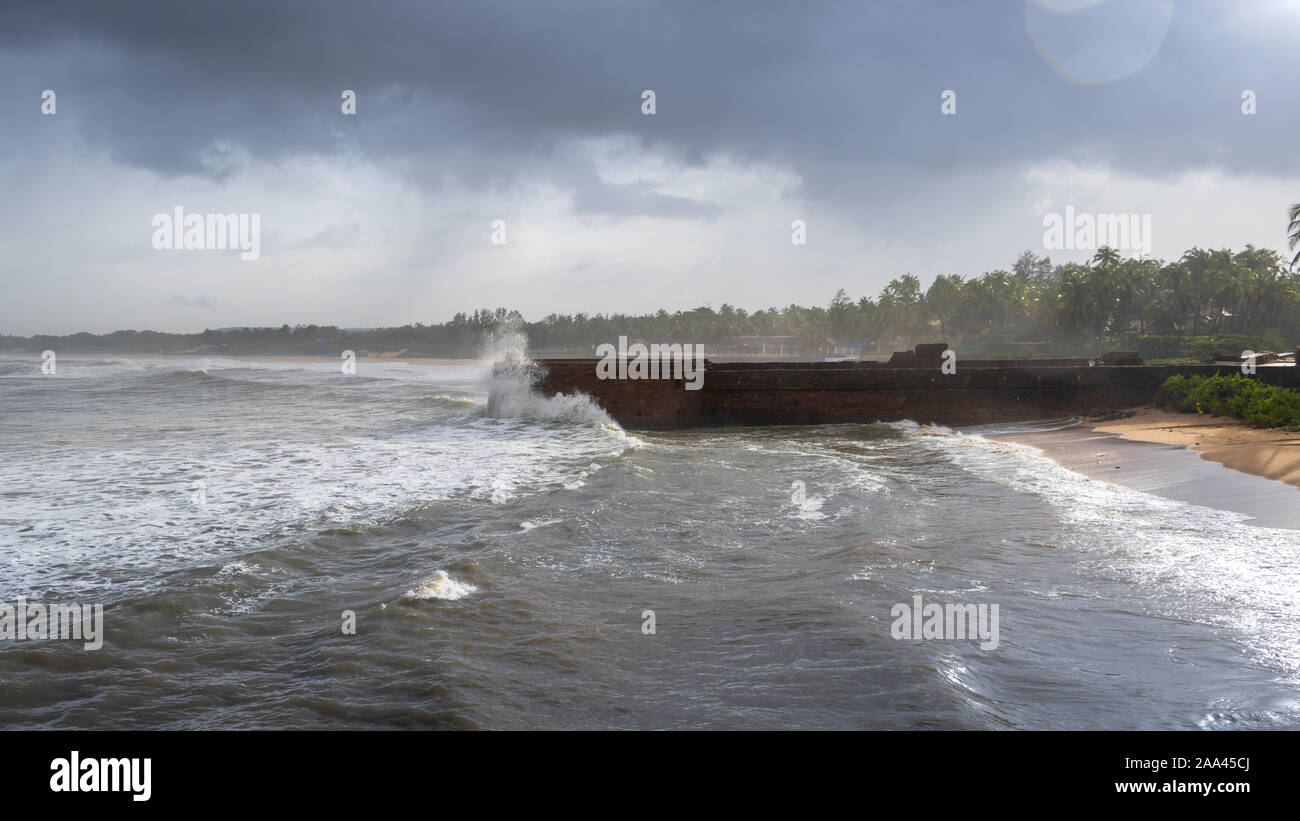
(201, 302)
(483, 93)
(591, 196)
(333, 236)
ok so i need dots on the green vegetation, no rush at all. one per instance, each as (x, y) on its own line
(1201, 348)
(1238, 396)
(1205, 302)
(1293, 231)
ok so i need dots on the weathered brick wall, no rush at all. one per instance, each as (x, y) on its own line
(778, 393)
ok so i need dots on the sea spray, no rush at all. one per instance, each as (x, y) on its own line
(511, 394)
(513, 372)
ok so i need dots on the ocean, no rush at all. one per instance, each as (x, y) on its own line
(538, 567)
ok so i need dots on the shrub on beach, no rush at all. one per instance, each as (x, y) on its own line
(1256, 404)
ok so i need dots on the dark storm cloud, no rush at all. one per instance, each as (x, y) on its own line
(483, 93)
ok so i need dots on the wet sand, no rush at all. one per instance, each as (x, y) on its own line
(1274, 454)
(1210, 461)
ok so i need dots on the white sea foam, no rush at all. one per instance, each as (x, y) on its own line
(525, 526)
(440, 586)
(514, 399)
(809, 508)
(121, 503)
(1207, 565)
(512, 394)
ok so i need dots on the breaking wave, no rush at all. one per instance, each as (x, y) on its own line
(512, 395)
(440, 586)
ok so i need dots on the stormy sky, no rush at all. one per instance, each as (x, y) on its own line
(531, 113)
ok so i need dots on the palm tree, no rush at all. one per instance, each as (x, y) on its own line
(1293, 230)
(841, 315)
(943, 299)
(1133, 283)
(1106, 257)
(1075, 302)
(1175, 285)
(906, 302)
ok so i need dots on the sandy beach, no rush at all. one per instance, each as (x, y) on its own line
(1274, 454)
(1212, 461)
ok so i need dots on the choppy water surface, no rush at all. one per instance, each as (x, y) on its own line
(499, 567)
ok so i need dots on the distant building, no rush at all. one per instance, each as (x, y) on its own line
(760, 346)
(850, 348)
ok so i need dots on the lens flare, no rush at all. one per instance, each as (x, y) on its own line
(1097, 41)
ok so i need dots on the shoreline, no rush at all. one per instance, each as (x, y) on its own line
(1214, 462)
(1267, 452)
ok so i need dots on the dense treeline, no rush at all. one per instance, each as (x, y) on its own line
(1186, 307)
(1110, 300)
(1220, 298)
